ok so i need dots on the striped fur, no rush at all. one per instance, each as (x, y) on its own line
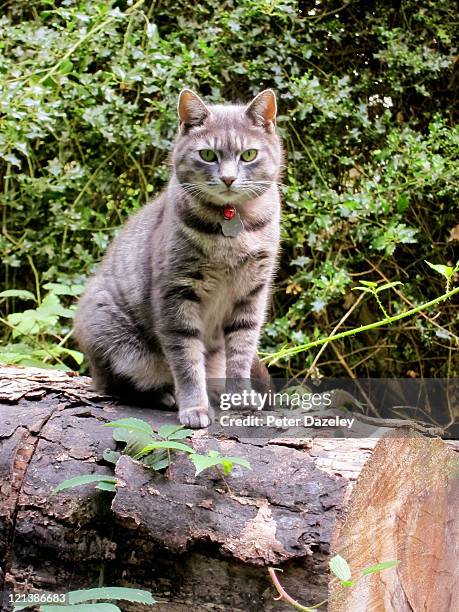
(175, 303)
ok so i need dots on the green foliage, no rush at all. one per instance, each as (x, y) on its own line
(77, 600)
(213, 459)
(39, 336)
(366, 96)
(78, 481)
(155, 450)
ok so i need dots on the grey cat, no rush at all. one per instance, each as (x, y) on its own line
(181, 294)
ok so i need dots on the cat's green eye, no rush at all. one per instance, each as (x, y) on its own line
(249, 155)
(208, 155)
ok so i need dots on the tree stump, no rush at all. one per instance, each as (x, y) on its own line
(408, 511)
(189, 540)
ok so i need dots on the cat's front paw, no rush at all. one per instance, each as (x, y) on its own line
(195, 417)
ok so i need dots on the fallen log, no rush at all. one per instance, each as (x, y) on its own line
(191, 541)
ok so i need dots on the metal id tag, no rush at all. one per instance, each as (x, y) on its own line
(232, 227)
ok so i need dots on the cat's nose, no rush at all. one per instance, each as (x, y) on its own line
(228, 180)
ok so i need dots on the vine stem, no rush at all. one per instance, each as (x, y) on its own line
(380, 304)
(351, 332)
(284, 596)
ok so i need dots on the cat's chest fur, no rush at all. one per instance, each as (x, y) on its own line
(224, 284)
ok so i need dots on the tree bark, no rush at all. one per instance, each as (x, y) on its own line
(188, 539)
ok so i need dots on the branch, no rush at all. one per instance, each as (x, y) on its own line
(287, 352)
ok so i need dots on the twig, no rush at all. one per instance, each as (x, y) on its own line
(335, 329)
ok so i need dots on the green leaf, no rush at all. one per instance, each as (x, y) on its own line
(66, 66)
(181, 434)
(106, 486)
(19, 293)
(370, 284)
(51, 307)
(379, 567)
(213, 458)
(171, 445)
(135, 442)
(446, 271)
(77, 356)
(168, 431)
(235, 461)
(61, 289)
(125, 593)
(158, 464)
(402, 202)
(366, 289)
(388, 286)
(347, 583)
(340, 567)
(92, 607)
(203, 462)
(110, 455)
(121, 435)
(25, 323)
(227, 466)
(78, 481)
(132, 424)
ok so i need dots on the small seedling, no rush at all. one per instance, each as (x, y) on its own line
(155, 450)
(372, 287)
(340, 568)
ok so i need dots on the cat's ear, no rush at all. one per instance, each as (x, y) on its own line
(191, 109)
(262, 110)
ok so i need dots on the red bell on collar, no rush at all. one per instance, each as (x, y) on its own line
(229, 211)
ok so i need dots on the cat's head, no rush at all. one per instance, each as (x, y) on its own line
(227, 153)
